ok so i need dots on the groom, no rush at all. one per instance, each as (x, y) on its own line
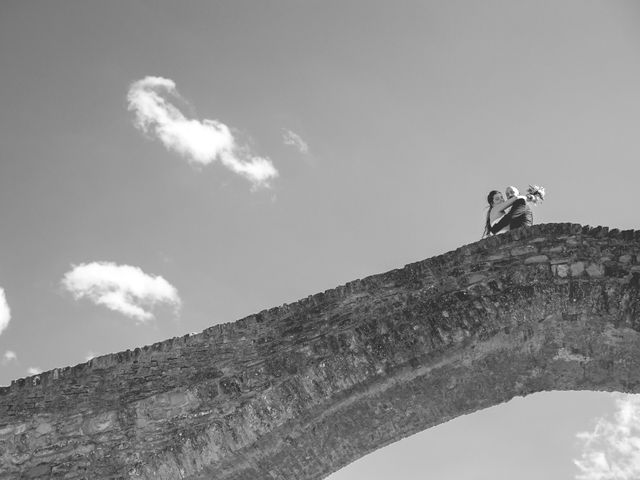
(520, 214)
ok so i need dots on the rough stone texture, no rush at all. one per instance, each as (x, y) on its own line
(298, 391)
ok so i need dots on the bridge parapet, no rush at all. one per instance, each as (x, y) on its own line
(300, 390)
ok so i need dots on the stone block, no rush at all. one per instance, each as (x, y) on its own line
(44, 428)
(600, 231)
(99, 423)
(524, 250)
(624, 259)
(536, 259)
(595, 270)
(518, 277)
(561, 270)
(498, 256)
(577, 269)
(476, 277)
(40, 471)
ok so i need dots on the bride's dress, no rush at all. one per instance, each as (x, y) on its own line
(503, 229)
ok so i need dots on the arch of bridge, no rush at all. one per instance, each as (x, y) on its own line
(298, 391)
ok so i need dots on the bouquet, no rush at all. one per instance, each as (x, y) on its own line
(535, 194)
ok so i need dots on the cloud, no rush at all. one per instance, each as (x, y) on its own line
(90, 355)
(34, 370)
(201, 142)
(5, 311)
(289, 137)
(122, 288)
(8, 357)
(612, 450)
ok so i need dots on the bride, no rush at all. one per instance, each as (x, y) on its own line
(497, 207)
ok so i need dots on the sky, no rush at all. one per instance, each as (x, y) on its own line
(164, 168)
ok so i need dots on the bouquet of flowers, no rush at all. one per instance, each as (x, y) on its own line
(535, 194)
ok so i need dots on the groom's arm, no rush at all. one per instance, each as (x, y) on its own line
(503, 222)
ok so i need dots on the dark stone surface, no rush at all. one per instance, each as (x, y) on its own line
(298, 391)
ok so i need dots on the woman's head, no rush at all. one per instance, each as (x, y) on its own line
(495, 196)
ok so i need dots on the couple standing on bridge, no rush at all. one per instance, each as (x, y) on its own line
(515, 212)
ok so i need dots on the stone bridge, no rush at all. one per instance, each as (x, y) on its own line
(299, 391)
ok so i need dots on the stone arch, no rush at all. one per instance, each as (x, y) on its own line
(298, 391)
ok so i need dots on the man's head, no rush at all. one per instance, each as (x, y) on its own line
(511, 192)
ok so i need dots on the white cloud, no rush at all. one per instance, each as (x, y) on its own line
(612, 450)
(9, 356)
(200, 142)
(90, 355)
(5, 311)
(289, 137)
(121, 288)
(34, 370)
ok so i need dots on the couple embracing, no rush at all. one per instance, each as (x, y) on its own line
(512, 213)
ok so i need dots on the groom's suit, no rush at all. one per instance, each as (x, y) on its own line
(520, 215)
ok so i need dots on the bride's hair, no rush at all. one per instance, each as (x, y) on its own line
(487, 224)
(490, 197)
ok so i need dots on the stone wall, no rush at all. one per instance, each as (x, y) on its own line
(298, 391)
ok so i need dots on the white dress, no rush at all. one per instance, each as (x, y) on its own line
(504, 229)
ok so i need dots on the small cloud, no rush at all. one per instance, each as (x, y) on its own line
(5, 311)
(90, 355)
(200, 142)
(612, 450)
(34, 370)
(8, 357)
(121, 288)
(289, 137)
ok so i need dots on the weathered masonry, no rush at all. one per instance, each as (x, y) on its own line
(298, 391)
